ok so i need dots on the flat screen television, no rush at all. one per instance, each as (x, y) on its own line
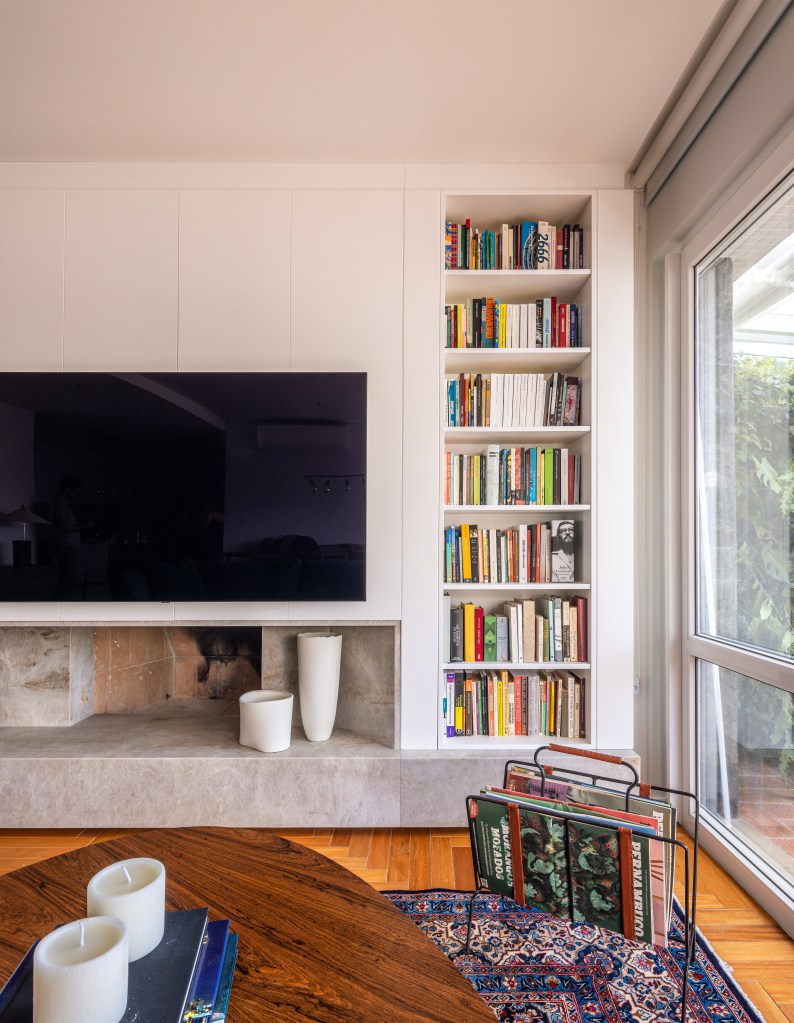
(183, 486)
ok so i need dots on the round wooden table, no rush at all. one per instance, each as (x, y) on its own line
(316, 942)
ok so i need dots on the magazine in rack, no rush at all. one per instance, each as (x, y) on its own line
(524, 778)
(597, 858)
(585, 846)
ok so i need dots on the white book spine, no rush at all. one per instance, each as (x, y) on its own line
(522, 400)
(507, 400)
(497, 399)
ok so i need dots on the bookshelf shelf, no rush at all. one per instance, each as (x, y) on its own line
(515, 285)
(515, 509)
(504, 742)
(500, 360)
(513, 587)
(491, 434)
(515, 665)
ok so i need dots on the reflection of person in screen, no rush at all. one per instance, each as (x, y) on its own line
(66, 537)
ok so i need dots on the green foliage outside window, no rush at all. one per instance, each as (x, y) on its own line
(764, 399)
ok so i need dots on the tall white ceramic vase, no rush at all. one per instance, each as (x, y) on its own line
(319, 659)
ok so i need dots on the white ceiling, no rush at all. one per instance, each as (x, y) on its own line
(420, 81)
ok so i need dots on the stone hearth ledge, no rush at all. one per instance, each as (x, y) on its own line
(179, 764)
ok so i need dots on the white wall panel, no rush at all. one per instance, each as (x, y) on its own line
(31, 279)
(121, 280)
(234, 280)
(613, 498)
(346, 314)
(421, 477)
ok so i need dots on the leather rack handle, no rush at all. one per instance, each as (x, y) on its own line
(591, 754)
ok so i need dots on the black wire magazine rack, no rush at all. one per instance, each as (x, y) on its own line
(630, 787)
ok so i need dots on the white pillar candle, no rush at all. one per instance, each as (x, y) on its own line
(80, 973)
(133, 891)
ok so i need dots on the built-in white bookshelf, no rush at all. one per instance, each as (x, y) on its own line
(520, 286)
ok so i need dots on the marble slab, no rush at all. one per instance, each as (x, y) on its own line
(433, 782)
(35, 670)
(179, 763)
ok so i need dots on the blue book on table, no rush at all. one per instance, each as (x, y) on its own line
(204, 990)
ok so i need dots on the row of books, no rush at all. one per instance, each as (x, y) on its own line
(546, 630)
(513, 703)
(513, 476)
(186, 978)
(528, 245)
(490, 323)
(537, 552)
(579, 851)
(512, 400)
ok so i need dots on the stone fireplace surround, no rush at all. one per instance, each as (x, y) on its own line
(137, 727)
(59, 676)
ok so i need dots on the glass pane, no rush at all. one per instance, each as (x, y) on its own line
(743, 442)
(746, 761)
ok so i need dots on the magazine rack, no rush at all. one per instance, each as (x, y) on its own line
(632, 785)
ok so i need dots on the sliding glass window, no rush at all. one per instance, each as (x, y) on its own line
(741, 647)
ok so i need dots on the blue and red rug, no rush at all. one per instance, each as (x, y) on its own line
(534, 968)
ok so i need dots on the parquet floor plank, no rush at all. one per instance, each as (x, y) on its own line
(399, 869)
(442, 869)
(464, 872)
(781, 990)
(766, 1005)
(420, 859)
(745, 973)
(765, 950)
(379, 849)
(360, 843)
(341, 838)
(736, 925)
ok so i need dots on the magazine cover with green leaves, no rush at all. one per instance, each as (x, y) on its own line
(528, 780)
(490, 827)
(647, 867)
(595, 873)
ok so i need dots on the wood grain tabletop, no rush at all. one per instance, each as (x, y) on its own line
(315, 941)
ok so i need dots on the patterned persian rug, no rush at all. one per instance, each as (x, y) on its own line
(534, 968)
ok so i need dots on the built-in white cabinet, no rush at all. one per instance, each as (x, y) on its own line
(121, 274)
(31, 279)
(346, 266)
(205, 273)
(346, 300)
(234, 280)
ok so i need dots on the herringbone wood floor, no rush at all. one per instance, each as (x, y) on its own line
(743, 935)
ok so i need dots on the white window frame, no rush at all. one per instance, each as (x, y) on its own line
(758, 188)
